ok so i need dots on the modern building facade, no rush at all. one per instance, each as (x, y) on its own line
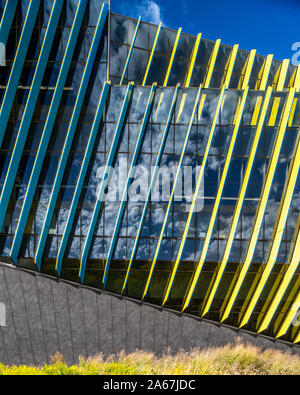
(149, 163)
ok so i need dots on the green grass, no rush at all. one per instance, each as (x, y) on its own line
(230, 360)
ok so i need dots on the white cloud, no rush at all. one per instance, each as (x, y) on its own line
(149, 10)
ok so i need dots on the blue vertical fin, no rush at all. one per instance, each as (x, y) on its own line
(152, 183)
(29, 110)
(129, 180)
(7, 20)
(81, 178)
(17, 66)
(71, 132)
(103, 185)
(38, 163)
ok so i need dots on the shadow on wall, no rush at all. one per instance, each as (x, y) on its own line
(45, 316)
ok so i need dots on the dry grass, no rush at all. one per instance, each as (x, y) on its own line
(230, 360)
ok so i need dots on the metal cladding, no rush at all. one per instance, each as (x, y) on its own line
(151, 163)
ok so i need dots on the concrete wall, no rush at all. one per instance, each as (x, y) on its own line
(44, 316)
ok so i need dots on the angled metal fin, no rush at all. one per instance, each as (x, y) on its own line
(42, 149)
(29, 110)
(81, 178)
(152, 182)
(176, 178)
(101, 192)
(130, 176)
(71, 132)
(17, 66)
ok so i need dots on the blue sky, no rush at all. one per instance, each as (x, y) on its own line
(270, 26)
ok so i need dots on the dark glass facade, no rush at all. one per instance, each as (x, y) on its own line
(82, 107)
